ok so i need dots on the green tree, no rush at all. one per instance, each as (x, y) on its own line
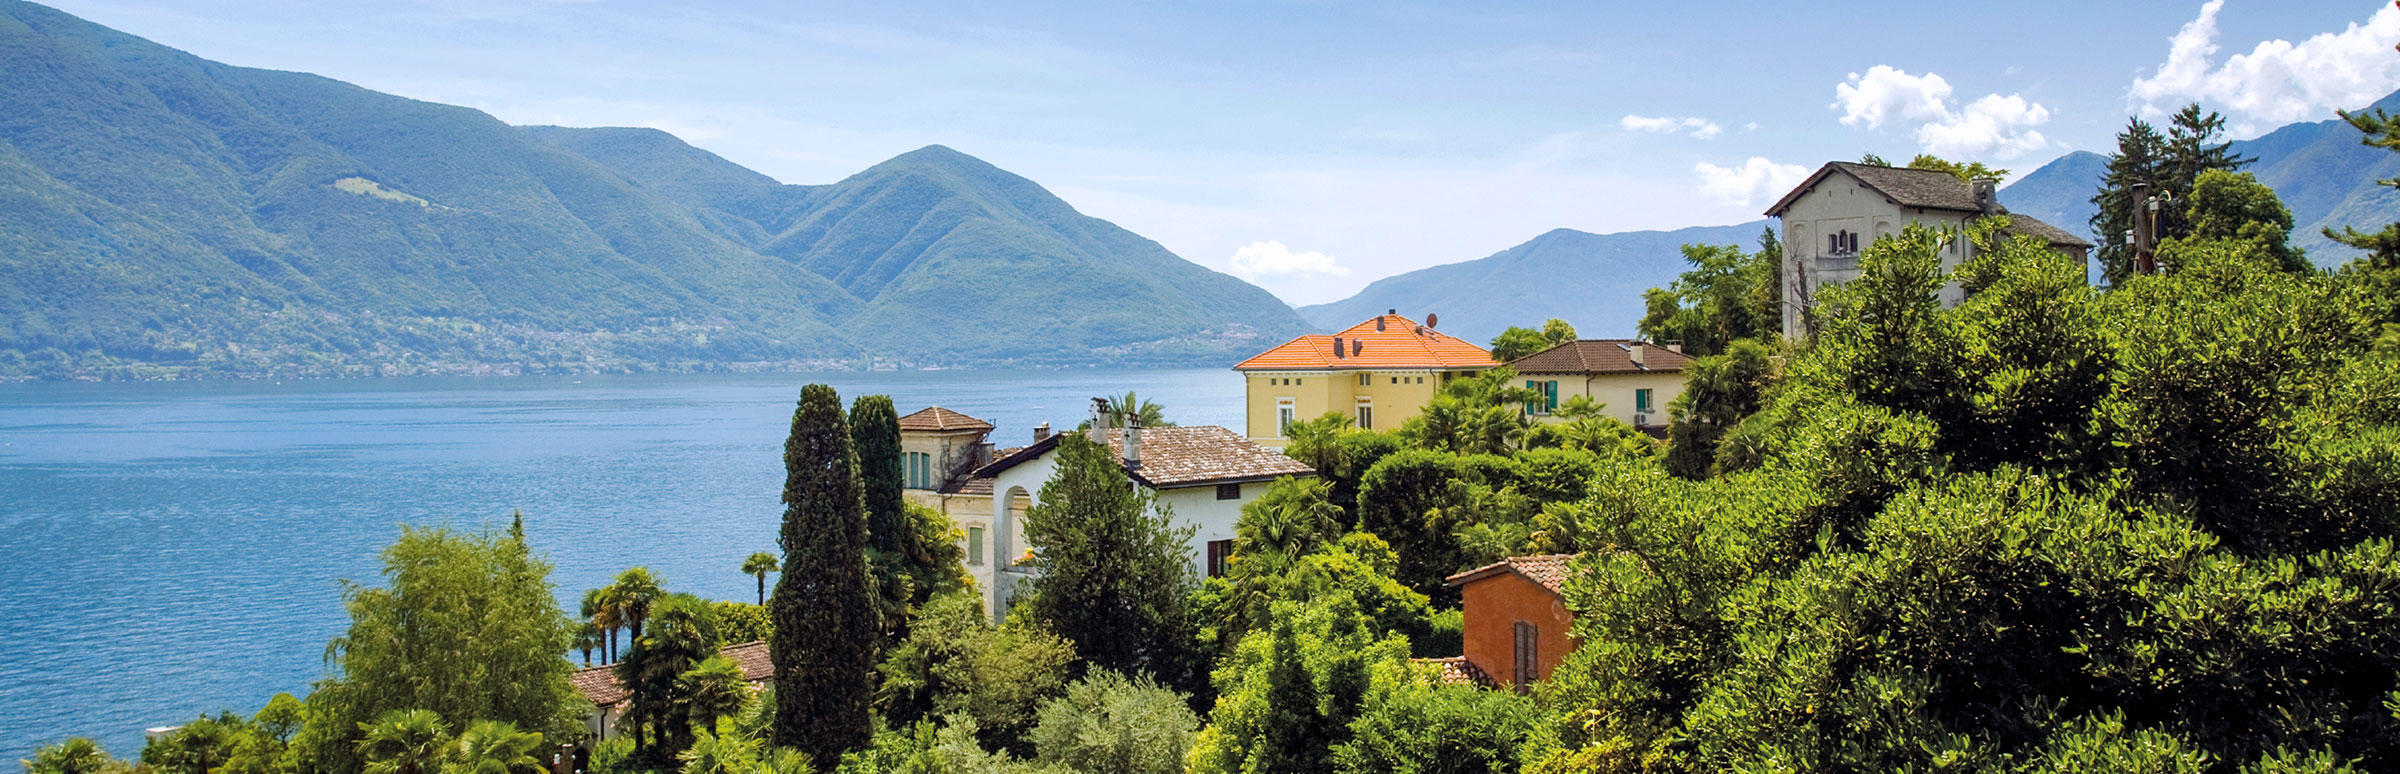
(2235, 207)
(198, 747)
(1725, 296)
(1286, 696)
(657, 709)
(1518, 342)
(2169, 165)
(633, 593)
(78, 755)
(2377, 272)
(1478, 413)
(600, 619)
(741, 622)
(1114, 568)
(1408, 725)
(712, 689)
(1719, 392)
(1108, 722)
(494, 747)
(757, 566)
(467, 627)
(722, 752)
(824, 645)
(404, 742)
(953, 664)
(1968, 172)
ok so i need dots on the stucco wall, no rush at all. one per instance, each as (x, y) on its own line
(1841, 203)
(1493, 605)
(1395, 395)
(1615, 391)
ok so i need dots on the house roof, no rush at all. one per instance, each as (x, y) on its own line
(1930, 189)
(1457, 670)
(599, 685)
(1401, 343)
(1549, 570)
(1179, 456)
(1601, 356)
(2026, 225)
(935, 419)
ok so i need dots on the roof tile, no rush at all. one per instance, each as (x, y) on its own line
(1601, 356)
(935, 419)
(1401, 343)
(1550, 570)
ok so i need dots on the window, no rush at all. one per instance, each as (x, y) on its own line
(1284, 415)
(1527, 636)
(1395, 380)
(1545, 396)
(1365, 380)
(919, 467)
(1219, 552)
(974, 545)
(1229, 491)
(1641, 401)
(1841, 243)
(1366, 416)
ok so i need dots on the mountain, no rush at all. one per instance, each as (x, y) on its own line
(164, 215)
(2319, 168)
(1594, 281)
(936, 242)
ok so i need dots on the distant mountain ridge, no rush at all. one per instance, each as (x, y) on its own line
(162, 215)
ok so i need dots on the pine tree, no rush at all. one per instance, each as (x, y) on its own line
(824, 617)
(1115, 571)
(2137, 160)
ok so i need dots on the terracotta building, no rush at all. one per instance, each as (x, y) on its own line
(1516, 621)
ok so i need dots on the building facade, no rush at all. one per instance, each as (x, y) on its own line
(1844, 207)
(1634, 380)
(1379, 373)
(1517, 624)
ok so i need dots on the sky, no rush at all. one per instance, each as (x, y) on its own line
(1314, 146)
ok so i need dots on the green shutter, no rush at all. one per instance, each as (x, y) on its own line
(1550, 394)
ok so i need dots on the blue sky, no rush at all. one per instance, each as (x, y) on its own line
(1313, 147)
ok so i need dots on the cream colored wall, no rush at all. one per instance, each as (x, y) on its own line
(1615, 391)
(1395, 395)
(948, 450)
(1841, 203)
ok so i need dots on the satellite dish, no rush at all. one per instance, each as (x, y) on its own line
(1431, 318)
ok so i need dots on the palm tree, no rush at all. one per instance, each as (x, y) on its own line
(600, 607)
(1133, 406)
(636, 589)
(494, 747)
(404, 742)
(759, 564)
(724, 752)
(74, 756)
(712, 689)
(588, 638)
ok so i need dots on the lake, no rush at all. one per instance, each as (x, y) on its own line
(169, 549)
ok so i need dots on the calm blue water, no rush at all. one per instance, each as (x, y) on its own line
(173, 549)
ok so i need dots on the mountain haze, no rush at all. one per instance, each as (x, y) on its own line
(164, 215)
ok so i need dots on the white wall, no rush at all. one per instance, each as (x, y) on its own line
(1841, 203)
(1197, 505)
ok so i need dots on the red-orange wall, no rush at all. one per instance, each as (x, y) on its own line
(1494, 604)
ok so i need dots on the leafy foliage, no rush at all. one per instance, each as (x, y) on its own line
(953, 664)
(1108, 722)
(1115, 577)
(2169, 165)
(1725, 296)
(1518, 342)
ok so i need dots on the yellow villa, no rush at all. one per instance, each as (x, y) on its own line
(1635, 380)
(1379, 373)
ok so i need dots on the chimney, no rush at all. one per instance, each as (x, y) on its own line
(1337, 346)
(1987, 196)
(1633, 352)
(1356, 346)
(1133, 442)
(1675, 347)
(1379, 324)
(1099, 429)
(1041, 432)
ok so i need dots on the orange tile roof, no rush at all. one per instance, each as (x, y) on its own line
(1600, 356)
(1550, 570)
(1457, 670)
(935, 419)
(599, 685)
(1402, 343)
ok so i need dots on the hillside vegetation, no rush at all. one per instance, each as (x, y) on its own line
(163, 215)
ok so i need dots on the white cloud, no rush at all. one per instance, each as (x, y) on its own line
(1887, 93)
(2279, 81)
(1753, 180)
(1992, 126)
(1699, 128)
(1995, 126)
(1263, 259)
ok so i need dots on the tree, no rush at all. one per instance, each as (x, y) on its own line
(1518, 342)
(2235, 207)
(404, 742)
(741, 622)
(468, 628)
(2169, 165)
(1478, 413)
(1412, 726)
(1968, 172)
(1108, 722)
(953, 664)
(197, 747)
(2377, 272)
(633, 593)
(1114, 568)
(712, 689)
(1726, 295)
(824, 645)
(494, 747)
(78, 755)
(758, 565)
(1286, 696)
(600, 620)
(656, 707)
(1719, 392)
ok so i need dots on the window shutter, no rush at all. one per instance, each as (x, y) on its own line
(1550, 394)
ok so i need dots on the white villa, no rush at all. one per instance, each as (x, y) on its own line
(1844, 207)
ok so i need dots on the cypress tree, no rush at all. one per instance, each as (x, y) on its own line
(875, 434)
(1116, 571)
(824, 617)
